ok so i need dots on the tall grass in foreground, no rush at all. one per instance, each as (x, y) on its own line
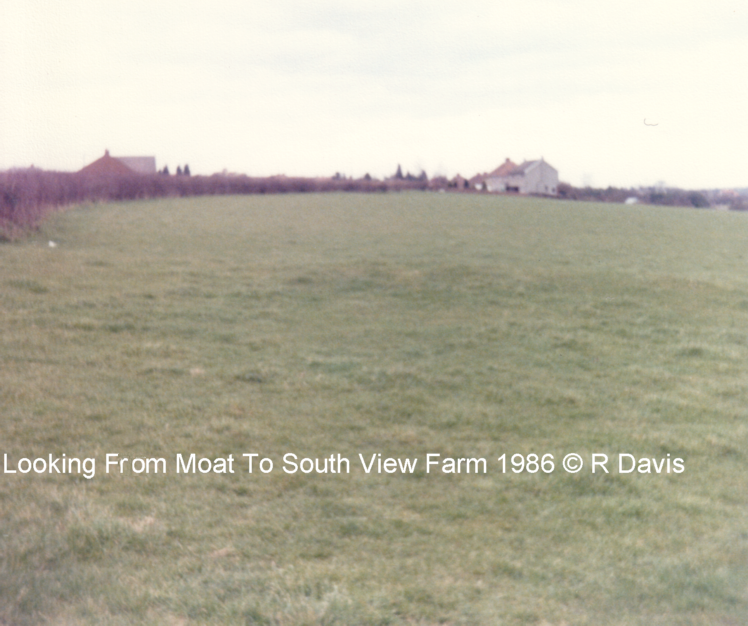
(398, 324)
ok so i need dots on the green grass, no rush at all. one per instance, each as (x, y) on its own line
(400, 324)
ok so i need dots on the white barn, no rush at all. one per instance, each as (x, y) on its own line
(530, 177)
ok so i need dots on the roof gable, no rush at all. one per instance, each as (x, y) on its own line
(520, 170)
(106, 165)
(503, 169)
(141, 165)
(121, 165)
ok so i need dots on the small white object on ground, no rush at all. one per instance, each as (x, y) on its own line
(52, 244)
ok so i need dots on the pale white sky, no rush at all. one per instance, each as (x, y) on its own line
(310, 88)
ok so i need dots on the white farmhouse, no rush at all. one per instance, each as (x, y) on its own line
(530, 177)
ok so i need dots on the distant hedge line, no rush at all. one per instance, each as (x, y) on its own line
(26, 196)
(665, 197)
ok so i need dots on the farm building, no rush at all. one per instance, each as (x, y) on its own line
(529, 177)
(121, 165)
(479, 180)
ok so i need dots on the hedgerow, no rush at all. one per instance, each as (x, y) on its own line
(26, 196)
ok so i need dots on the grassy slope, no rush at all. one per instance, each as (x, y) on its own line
(401, 324)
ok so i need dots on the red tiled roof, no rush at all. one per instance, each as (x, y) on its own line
(106, 165)
(505, 168)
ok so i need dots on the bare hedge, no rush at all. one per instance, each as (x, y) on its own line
(26, 196)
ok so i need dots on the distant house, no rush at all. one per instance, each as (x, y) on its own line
(121, 165)
(458, 182)
(535, 177)
(492, 181)
(479, 180)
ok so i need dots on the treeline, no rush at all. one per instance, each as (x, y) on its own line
(654, 195)
(27, 195)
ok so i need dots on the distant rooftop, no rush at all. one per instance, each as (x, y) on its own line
(141, 165)
(121, 165)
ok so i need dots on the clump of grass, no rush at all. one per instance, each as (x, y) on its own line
(29, 285)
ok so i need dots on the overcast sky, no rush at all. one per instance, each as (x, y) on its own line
(311, 88)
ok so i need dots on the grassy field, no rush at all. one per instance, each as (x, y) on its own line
(401, 325)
